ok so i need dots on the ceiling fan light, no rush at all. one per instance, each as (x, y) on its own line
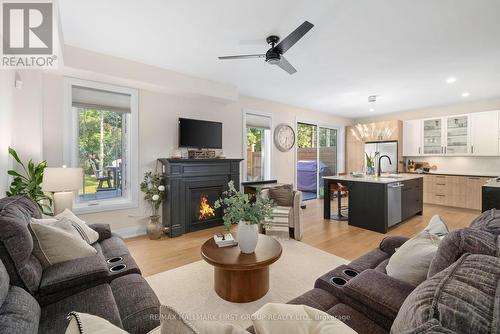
(273, 61)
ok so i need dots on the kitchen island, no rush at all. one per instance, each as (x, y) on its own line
(378, 203)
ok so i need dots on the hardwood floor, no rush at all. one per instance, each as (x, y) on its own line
(154, 256)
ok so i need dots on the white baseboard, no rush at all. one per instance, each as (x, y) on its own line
(130, 232)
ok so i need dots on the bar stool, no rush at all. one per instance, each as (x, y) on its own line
(341, 190)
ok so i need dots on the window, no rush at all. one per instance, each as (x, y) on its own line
(257, 148)
(102, 140)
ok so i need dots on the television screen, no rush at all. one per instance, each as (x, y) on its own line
(199, 134)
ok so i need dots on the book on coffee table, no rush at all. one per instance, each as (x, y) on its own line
(224, 240)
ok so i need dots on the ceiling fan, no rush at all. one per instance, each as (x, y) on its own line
(274, 55)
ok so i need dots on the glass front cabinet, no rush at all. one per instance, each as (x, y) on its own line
(433, 136)
(457, 135)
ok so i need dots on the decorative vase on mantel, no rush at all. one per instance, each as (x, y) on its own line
(247, 235)
(155, 227)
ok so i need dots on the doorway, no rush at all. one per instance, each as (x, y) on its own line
(316, 157)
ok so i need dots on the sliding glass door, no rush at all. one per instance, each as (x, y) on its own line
(316, 158)
(257, 147)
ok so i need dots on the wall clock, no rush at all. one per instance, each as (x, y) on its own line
(284, 137)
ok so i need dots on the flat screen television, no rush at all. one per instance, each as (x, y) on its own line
(200, 134)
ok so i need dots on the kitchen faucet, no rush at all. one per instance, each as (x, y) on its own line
(379, 169)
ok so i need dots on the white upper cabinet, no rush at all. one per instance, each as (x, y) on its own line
(457, 135)
(412, 138)
(485, 133)
(476, 134)
(433, 136)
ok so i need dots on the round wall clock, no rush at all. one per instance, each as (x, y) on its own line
(284, 137)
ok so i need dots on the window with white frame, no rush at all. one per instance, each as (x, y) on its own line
(102, 139)
(257, 147)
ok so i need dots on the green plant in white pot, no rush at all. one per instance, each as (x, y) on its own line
(248, 213)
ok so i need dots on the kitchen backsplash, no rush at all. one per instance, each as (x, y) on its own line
(462, 165)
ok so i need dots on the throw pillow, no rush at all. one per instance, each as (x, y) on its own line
(411, 261)
(87, 234)
(437, 227)
(83, 323)
(297, 319)
(282, 195)
(58, 242)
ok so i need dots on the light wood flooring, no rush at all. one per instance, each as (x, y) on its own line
(154, 256)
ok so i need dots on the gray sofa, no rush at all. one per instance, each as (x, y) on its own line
(461, 294)
(108, 284)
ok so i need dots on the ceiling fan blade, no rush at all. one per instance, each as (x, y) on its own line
(294, 37)
(285, 65)
(243, 56)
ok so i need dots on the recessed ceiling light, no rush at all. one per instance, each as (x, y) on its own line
(451, 80)
(465, 94)
(372, 109)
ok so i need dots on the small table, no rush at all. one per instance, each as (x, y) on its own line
(238, 277)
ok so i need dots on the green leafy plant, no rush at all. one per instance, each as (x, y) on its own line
(29, 183)
(240, 207)
(154, 191)
(370, 160)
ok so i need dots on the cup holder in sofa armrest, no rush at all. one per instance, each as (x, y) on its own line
(339, 281)
(115, 259)
(118, 268)
(350, 272)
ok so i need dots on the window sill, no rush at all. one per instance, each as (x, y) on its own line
(103, 206)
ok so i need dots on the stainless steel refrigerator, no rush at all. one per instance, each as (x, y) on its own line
(389, 148)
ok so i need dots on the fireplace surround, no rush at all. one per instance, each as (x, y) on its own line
(191, 188)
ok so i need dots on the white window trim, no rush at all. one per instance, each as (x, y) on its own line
(70, 153)
(340, 145)
(268, 165)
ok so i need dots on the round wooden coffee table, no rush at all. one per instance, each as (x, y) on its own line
(238, 277)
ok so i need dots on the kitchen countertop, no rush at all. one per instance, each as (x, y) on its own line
(450, 173)
(373, 179)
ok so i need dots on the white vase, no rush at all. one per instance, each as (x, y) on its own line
(247, 237)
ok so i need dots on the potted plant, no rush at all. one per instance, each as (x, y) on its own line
(370, 163)
(248, 213)
(154, 194)
(29, 183)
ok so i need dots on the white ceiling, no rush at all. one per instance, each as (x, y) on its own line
(401, 50)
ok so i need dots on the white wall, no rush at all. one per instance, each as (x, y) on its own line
(6, 111)
(159, 109)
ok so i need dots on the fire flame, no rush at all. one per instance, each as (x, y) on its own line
(206, 211)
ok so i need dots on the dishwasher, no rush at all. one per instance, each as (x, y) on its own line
(394, 203)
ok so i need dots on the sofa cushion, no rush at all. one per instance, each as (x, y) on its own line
(411, 261)
(16, 243)
(137, 303)
(467, 240)
(369, 260)
(58, 241)
(19, 313)
(356, 320)
(98, 301)
(317, 298)
(113, 246)
(103, 230)
(489, 221)
(4, 283)
(79, 274)
(463, 298)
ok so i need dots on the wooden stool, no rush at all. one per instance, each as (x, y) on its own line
(341, 190)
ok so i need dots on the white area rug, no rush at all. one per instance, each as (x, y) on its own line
(189, 288)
